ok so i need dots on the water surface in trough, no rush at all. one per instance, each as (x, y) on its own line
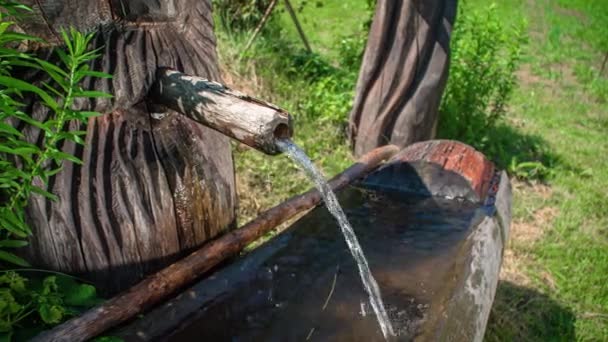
(304, 284)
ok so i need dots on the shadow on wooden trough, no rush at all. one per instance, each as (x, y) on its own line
(433, 222)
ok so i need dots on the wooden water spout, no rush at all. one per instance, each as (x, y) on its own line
(241, 117)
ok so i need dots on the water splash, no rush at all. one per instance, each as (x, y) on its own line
(369, 283)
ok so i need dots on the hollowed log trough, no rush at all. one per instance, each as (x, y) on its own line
(433, 222)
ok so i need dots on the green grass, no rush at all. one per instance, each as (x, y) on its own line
(571, 117)
(326, 23)
(558, 116)
(264, 181)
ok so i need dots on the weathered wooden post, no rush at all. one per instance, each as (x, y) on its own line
(403, 73)
(155, 184)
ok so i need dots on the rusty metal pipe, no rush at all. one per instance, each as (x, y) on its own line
(251, 121)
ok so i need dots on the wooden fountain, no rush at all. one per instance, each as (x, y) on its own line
(152, 209)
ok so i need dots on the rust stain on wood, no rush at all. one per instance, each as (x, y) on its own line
(457, 157)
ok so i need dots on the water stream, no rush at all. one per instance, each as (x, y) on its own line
(369, 283)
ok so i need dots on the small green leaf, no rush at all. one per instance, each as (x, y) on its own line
(64, 58)
(11, 82)
(13, 259)
(5, 25)
(12, 217)
(27, 119)
(20, 151)
(52, 172)
(13, 223)
(82, 295)
(13, 243)
(14, 36)
(44, 193)
(92, 93)
(50, 313)
(53, 90)
(8, 129)
(87, 115)
(25, 63)
(6, 183)
(51, 67)
(68, 42)
(61, 156)
(97, 74)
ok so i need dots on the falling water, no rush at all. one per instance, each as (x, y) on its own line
(369, 283)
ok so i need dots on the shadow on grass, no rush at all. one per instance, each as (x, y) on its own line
(523, 155)
(523, 314)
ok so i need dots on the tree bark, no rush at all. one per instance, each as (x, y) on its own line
(153, 186)
(157, 287)
(403, 73)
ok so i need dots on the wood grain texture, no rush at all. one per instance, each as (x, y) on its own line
(154, 185)
(443, 168)
(403, 73)
(456, 157)
(249, 120)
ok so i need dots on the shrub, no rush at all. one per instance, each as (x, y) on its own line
(485, 56)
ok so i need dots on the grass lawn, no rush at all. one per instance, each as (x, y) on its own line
(325, 23)
(554, 282)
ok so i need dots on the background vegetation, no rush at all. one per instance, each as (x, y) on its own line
(526, 87)
(31, 300)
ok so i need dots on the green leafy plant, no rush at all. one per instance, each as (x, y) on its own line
(329, 100)
(25, 167)
(485, 56)
(28, 305)
(594, 82)
(529, 170)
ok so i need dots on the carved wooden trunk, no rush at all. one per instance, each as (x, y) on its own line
(403, 73)
(153, 185)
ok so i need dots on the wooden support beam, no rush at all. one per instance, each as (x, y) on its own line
(292, 13)
(261, 24)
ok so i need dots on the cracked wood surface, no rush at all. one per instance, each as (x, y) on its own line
(403, 73)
